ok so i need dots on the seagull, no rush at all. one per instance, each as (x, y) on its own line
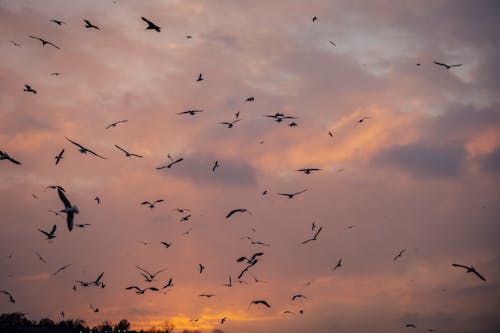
(200, 78)
(98, 200)
(55, 73)
(69, 209)
(260, 301)
(15, 44)
(279, 117)
(170, 283)
(127, 154)
(191, 112)
(250, 99)
(223, 320)
(445, 65)
(314, 237)
(181, 210)
(59, 156)
(152, 205)
(82, 225)
(28, 88)
(50, 235)
(167, 245)
(61, 269)
(40, 258)
(298, 296)
(185, 218)
(330, 134)
(11, 299)
(359, 121)
(58, 22)
(470, 270)
(237, 114)
(313, 226)
(151, 275)
(308, 171)
(252, 260)
(216, 165)
(288, 312)
(338, 265)
(84, 150)
(291, 195)
(116, 123)
(229, 124)
(45, 42)
(201, 268)
(140, 291)
(151, 25)
(168, 166)
(55, 187)
(411, 325)
(400, 254)
(90, 25)
(95, 283)
(207, 295)
(331, 42)
(238, 210)
(293, 124)
(94, 309)
(5, 156)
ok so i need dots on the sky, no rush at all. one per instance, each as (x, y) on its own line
(420, 173)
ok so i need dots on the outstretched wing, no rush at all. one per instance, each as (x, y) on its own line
(76, 144)
(63, 198)
(123, 150)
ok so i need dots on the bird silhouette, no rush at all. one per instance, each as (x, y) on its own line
(185, 218)
(207, 295)
(445, 65)
(151, 25)
(230, 124)
(59, 156)
(58, 22)
(116, 123)
(62, 268)
(315, 237)
(223, 320)
(250, 99)
(252, 260)
(5, 156)
(45, 42)
(168, 166)
(89, 25)
(167, 245)
(15, 44)
(152, 205)
(291, 195)
(470, 270)
(170, 283)
(83, 149)
(151, 276)
(127, 154)
(315, 18)
(200, 78)
(359, 121)
(279, 117)
(238, 210)
(40, 258)
(333, 43)
(260, 301)
(399, 255)
(215, 166)
(140, 291)
(411, 325)
(50, 235)
(69, 209)
(308, 171)
(201, 268)
(28, 88)
(95, 283)
(11, 299)
(191, 112)
(338, 265)
(94, 308)
(294, 297)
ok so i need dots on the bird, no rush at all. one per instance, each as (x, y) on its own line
(338, 265)
(5, 156)
(411, 325)
(313, 226)
(470, 270)
(250, 99)
(223, 320)
(62, 314)
(308, 171)
(333, 43)
(61, 269)
(191, 112)
(294, 297)
(229, 284)
(69, 209)
(151, 276)
(201, 267)
(59, 156)
(293, 124)
(330, 134)
(215, 166)
(11, 299)
(445, 65)
(140, 291)
(238, 210)
(399, 255)
(237, 115)
(291, 195)
(144, 243)
(170, 283)
(359, 121)
(181, 210)
(94, 309)
(252, 260)
(168, 166)
(55, 74)
(84, 150)
(58, 22)
(185, 218)
(127, 154)
(94, 283)
(200, 78)
(40, 258)
(279, 117)
(45, 42)
(15, 44)
(151, 25)
(230, 124)
(88, 24)
(167, 245)
(152, 205)
(82, 225)
(315, 18)
(28, 88)
(116, 123)
(50, 235)
(98, 200)
(206, 295)
(260, 301)
(315, 237)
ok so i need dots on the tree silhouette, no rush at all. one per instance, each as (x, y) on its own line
(122, 325)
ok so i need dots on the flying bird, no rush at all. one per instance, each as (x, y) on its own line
(127, 154)
(215, 166)
(168, 166)
(331, 42)
(308, 171)
(201, 267)
(470, 270)
(94, 309)
(399, 255)
(98, 200)
(88, 25)
(69, 209)
(411, 325)
(260, 301)
(5, 156)
(28, 88)
(15, 44)
(140, 291)
(84, 150)
(315, 237)
(223, 320)
(82, 225)
(11, 299)
(94, 283)
(116, 123)
(200, 78)
(181, 210)
(238, 210)
(291, 195)
(167, 245)
(185, 218)
(190, 112)
(330, 134)
(151, 25)
(359, 121)
(279, 117)
(170, 283)
(250, 99)
(293, 124)
(50, 235)
(61, 269)
(58, 22)
(55, 74)
(230, 124)
(338, 265)
(252, 260)
(445, 65)
(315, 18)
(207, 295)
(41, 258)
(298, 296)
(151, 275)
(45, 42)
(59, 156)
(152, 205)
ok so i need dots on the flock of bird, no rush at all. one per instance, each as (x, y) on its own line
(69, 210)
